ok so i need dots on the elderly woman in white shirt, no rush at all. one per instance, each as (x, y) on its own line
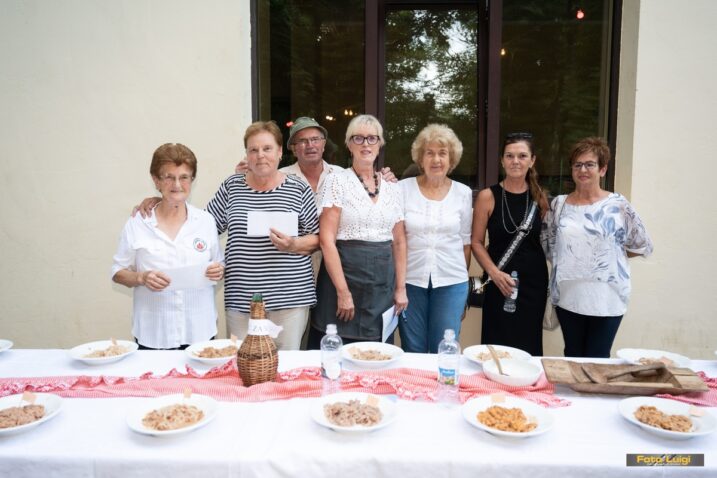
(174, 235)
(588, 236)
(438, 215)
(363, 241)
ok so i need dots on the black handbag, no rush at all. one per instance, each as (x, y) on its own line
(476, 285)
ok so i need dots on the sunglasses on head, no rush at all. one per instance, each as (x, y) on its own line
(523, 135)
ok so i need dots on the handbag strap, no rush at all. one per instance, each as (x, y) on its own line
(523, 231)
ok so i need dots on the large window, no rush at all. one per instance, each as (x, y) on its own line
(484, 69)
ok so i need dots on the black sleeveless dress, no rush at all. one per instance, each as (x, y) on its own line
(522, 329)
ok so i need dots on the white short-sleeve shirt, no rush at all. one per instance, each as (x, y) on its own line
(436, 232)
(361, 218)
(168, 319)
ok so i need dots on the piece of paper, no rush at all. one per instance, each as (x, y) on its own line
(259, 223)
(189, 277)
(390, 322)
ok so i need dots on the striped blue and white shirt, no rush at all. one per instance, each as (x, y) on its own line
(253, 264)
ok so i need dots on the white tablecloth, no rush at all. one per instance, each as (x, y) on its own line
(90, 437)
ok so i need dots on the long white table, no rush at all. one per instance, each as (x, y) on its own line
(90, 437)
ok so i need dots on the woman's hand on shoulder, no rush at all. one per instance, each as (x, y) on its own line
(155, 280)
(345, 306)
(215, 271)
(146, 206)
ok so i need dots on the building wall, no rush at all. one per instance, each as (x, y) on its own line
(90, 88)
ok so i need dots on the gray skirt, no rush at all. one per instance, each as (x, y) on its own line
(371, 276)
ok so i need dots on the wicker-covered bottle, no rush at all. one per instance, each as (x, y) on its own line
(257, 357)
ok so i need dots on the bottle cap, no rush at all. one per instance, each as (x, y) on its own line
(331, 329)
(449, 334)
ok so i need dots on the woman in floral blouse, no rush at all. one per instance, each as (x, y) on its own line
(589, 235)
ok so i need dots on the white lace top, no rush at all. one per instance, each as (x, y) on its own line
(587, 247)
(361, 218)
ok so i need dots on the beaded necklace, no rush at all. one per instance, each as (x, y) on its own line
(375, 180)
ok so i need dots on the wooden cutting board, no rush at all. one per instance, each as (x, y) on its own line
(669, 380)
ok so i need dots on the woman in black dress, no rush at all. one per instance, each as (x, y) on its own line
(500, 210)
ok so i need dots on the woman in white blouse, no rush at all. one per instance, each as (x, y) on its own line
(438, 215)
(588, 236)
(363, 241)
(175, 234)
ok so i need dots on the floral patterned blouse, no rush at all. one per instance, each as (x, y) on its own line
(587, 247)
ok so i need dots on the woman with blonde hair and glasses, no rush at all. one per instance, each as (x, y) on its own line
(174, 234)
(589, 235)
(363, 272)
(503, 211)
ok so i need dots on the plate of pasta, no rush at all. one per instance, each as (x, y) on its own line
(667, 418)
(507, 416)
(354, 412)
(214, 352)
(371, 354)
(171, 415)
(18, 415)
(103, 352)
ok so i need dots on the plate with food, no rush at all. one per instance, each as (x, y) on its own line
(371, 354)
(649, 357)
(480, 353)
(214, 352)
(18, 414)
(172, 414)
(354, 412)
(5, 345)
(103, 351)
(667, 418)
(507, 416)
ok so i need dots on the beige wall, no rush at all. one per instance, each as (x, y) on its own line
(90, 87)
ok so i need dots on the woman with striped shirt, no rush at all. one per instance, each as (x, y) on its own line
(278, 265)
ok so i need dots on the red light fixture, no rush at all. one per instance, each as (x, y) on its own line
(580, 14)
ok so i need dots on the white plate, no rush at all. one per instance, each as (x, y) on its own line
(387, 406)
(700, 425)
(52, 404)
(388, 349)
(634, 356)
(5, 345)
(534, 412)
(472, 352)
(79, 352)
(218, 344)
(206, 404)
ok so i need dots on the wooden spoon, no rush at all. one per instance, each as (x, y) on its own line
(497, 360)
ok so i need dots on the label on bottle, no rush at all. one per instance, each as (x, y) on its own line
(447, 376)
(264, 327)
(514, 293)
(331, 369)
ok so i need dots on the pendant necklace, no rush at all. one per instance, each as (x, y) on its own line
(375, 180)
(505, 208)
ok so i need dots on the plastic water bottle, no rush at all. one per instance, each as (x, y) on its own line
(509, 304)
(449, 356)
(331, 360)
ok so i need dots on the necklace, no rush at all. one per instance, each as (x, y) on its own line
(375, 180)
(504, 207)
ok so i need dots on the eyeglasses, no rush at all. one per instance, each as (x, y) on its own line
(304, 142)
(521, 135)
(370, 139)
(169, 179)
(589, 165)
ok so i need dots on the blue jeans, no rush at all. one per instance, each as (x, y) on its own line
(430, 312)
